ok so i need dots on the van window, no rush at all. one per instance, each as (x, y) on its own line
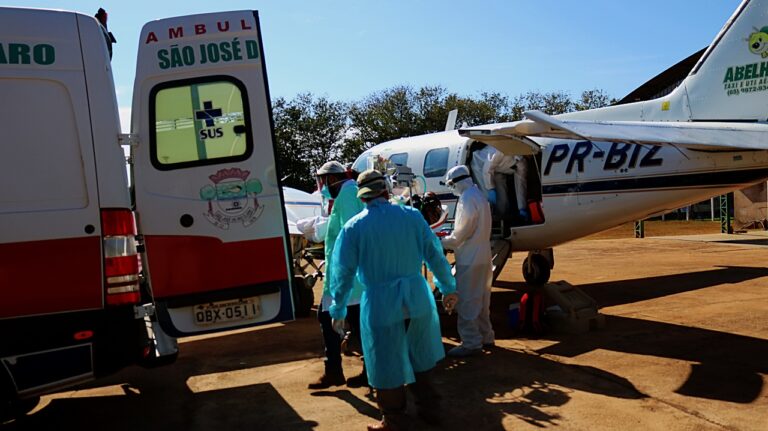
(436, 162)
(400, 159)
(199, 122)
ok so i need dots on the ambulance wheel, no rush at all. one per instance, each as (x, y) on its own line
(17, 408)
(12, 407)
(303, 297)
(153, 361)
(538, 273)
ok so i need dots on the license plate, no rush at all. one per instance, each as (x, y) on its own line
(227, 311)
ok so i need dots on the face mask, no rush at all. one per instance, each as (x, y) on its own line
(325, 192)
(452, 188)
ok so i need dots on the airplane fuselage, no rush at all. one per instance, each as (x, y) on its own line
(588, 186)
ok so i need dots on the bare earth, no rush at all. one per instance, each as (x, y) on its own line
(685, 347)
(661, 228)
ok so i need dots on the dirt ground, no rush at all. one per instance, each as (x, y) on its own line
(685, 347)
(661, 228)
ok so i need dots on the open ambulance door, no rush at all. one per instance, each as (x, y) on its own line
(207, 197)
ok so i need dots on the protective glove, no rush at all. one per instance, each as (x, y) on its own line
(449, 302)
(524, 215)
(492, 196)
(338, 326)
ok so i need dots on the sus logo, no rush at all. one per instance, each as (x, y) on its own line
(758, 42)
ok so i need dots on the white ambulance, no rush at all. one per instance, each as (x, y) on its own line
(76, 294)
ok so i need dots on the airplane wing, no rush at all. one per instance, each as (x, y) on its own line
(711, 136)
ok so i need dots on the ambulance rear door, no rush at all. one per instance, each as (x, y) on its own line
(205, 181)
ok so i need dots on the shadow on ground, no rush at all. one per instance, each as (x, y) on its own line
(257, 406)
(611, 293)
(160, 398)
(725, 366)
(530, 388)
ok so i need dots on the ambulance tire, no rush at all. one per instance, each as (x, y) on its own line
(539, 271)
(303, 297)
(11, 407)
(159, 361)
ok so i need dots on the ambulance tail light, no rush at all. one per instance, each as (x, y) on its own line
(121, 260)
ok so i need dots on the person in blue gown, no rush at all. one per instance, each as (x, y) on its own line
(384, 246)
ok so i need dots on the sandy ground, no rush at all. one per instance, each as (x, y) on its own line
(685, 347)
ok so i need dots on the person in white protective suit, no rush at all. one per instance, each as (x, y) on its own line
(491, 168)
(500, 166)
(384, 246)
(470, 242)
(480, 164)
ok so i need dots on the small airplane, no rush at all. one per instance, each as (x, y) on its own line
(592, 170)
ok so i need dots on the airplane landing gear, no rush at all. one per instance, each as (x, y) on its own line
(537, 267)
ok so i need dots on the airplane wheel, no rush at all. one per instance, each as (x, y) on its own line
(539, 271)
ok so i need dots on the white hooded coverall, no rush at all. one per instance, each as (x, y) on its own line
(480, 164)
(470, 242)
(499, 167)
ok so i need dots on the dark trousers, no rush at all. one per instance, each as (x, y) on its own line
(332, 340)
(392, 403)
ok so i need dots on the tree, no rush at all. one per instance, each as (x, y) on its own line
(488, 108)
(592, 99)
(382, 116)
(556, 102)
(309, 131)
(402, 111)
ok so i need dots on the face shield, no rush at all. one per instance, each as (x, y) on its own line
(456, 175)
(320, 181)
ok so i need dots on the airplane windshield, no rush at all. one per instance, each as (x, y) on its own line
(361, 163)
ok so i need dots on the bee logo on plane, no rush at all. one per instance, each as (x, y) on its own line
(758, 42)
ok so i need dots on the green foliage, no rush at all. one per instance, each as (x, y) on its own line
(593, 99)
(309, 131)
(312, 130)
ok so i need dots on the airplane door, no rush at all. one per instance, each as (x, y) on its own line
(205, 181)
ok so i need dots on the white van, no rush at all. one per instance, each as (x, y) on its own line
(204, 197)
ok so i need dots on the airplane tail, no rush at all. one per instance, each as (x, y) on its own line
(730, 81)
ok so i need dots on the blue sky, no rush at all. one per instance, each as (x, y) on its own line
(348, 49)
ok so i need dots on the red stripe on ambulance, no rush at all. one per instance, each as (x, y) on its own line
(50, 276)
(210, 264)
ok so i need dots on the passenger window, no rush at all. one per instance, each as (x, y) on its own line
(400, 159)
(199, 122)
(436, 163)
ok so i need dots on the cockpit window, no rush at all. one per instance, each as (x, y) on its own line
(361, 163)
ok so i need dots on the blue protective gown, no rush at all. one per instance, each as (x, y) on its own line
(385, 246)
(345, 206)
